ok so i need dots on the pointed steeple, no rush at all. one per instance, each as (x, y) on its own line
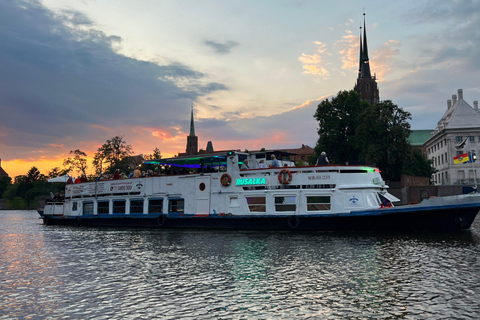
(360, 55)
(365, 61)
(192, 124)
(366, 84)
(192, 139)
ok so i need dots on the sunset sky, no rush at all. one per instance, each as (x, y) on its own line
(76, 73)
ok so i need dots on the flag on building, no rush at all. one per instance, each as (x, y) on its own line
(461, 158)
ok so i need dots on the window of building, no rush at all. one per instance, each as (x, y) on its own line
(155, 206)
(103, 207)
(176, 205)
(118, 206)
(136, 206)
(471, 138)
(257, 204)
(74, 206)
(285, 203)
(367, 87)
(318, 203)
(461, 174)
(458, 139)
(470, 174)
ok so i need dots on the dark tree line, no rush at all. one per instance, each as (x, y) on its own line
(26, 190)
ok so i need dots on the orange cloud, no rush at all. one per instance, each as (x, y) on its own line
(350, 51)
(308, 102)
(384, 58)
(21, 166)
(312, 64)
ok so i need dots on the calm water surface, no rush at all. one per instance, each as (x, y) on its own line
(54, 272)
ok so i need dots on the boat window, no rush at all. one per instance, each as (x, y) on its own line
(155, 206)
(88, 208)
(136, 206)
(176, 205)
(103, 207)
(318, 203)
(118, 206)
(256, 204)
(286, 203)
(74, 206)
(371, 200)
(241, 158)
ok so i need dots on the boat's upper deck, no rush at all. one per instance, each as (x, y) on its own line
(225, 175)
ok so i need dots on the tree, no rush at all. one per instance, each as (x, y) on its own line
(382, 134)
(33, 175)
(112, 155)
(77, 162)
(338, 120)
(57, 172)
(5, 181)
(418, 166)
(155, 155)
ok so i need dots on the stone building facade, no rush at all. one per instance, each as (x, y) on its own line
(457, 132)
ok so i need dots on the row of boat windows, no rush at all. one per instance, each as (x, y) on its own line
(155, 206)
(292, 186)
(136, 206)
(288, 203)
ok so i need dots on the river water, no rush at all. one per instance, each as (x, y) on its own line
(55, 272)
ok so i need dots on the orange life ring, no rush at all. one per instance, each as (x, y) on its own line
(285, 176)
(226, 179)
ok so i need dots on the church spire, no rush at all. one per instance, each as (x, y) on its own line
(364, 50)
(192, 124)
(366, 85)
(360, 55)
(192, 139)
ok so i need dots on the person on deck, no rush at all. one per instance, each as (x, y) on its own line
(244, 165)
(137, 173)
(116, 175)
(275, 163)
(322, 160)
(261, 164)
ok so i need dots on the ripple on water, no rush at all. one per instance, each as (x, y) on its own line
(62, 272)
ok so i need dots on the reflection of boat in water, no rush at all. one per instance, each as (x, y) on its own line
(219, 195)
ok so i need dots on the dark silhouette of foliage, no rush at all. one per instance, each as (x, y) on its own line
(338, 120)
(352, 131)
(383, 133)
(77, 162)
(112, 154)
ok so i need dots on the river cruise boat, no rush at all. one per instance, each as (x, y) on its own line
(211, 191)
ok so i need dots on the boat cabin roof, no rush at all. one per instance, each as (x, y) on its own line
(219, 159)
